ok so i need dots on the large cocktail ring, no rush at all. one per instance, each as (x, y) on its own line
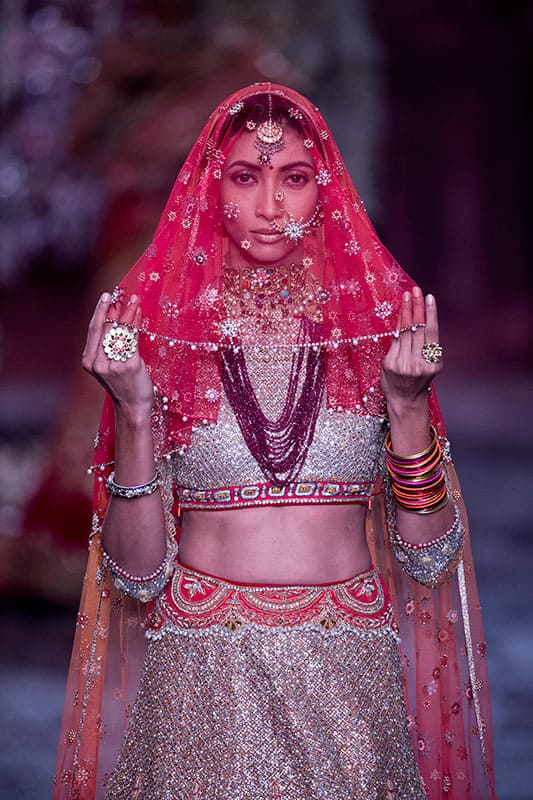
(432, 352)
(119, 343)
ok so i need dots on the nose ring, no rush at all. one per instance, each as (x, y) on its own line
(280, 197)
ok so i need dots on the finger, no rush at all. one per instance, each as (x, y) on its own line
(406, 312)
(419, 317)
(94, 333)
(127, 317)
(406, 320)
(432, 320)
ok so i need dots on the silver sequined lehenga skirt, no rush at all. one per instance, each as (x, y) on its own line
(269, 693)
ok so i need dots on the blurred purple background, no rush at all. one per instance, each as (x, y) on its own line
(100, 102)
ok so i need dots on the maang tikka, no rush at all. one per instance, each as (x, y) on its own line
(269, 138)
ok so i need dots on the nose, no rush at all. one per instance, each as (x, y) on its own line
(267, 207)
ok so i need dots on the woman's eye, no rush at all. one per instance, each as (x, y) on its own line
(243, 177)
(296, 179)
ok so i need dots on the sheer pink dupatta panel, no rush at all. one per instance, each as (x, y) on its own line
(107, 656)
(445, 669)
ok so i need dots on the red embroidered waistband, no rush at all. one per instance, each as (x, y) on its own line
(195, 600)
(271, 494)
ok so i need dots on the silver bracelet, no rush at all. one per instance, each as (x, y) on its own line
(130, 492)
(147, 587)
(431, 563)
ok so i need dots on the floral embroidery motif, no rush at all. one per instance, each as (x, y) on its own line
(383, 309)
(366, 588)
(323, 177)
(194, 587)
(352, 248)
(199, 257)
(117, 295)
(207, 298)
(231, 210)
(229, 327)
(169, 308)
(391, 276)
(212, 395)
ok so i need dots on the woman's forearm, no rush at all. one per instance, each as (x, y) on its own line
(410, 433)
(133, 532)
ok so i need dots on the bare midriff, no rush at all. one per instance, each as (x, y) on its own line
(277, 544)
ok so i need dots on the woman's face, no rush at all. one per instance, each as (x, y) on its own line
(265, 195)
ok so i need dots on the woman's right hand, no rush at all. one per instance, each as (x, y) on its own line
(128, 381)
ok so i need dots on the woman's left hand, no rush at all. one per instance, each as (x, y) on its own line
(406, 374)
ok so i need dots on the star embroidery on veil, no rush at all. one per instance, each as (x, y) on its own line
(229, 327)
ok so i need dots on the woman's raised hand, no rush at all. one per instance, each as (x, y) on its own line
(415, 357)
(127, 381)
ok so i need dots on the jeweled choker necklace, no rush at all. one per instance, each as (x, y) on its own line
(268, 297)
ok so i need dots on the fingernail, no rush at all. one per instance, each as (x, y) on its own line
(133, 299)
(416, 291)
(406, 297)
(105, 298)
(430, 300)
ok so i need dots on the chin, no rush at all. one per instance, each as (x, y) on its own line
(271, 256)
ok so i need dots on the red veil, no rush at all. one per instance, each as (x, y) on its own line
(184, 328)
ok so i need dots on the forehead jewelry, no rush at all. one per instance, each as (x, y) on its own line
(269, 138)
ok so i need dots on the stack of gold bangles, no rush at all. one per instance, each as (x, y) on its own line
(418, 482)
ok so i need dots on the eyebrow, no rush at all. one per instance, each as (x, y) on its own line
(247, 164)
(258, 167)
(297, 164)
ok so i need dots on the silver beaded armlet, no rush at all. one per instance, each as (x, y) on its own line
(431, 563)
(146, 587)
(131, 492)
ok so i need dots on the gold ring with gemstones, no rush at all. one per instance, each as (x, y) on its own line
(432, 352)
